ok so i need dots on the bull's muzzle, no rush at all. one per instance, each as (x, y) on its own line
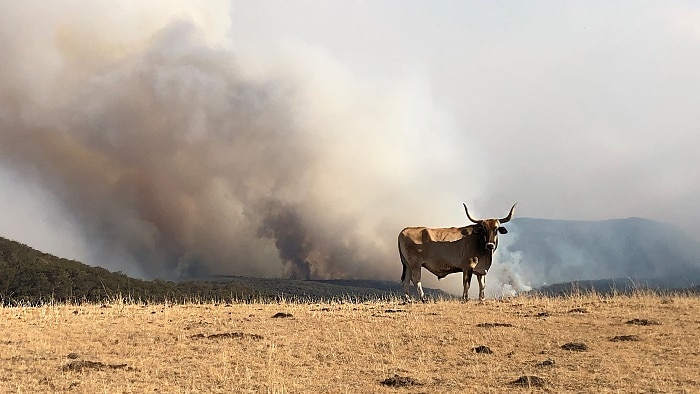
(490, 246)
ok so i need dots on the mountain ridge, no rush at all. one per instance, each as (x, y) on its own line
(556, 251)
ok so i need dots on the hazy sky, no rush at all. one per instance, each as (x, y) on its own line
(369, 116)
(583, 110)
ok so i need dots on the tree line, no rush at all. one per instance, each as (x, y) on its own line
(31, 277)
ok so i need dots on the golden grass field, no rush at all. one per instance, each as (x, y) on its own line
(376, 347)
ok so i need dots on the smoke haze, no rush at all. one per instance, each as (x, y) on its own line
(631, 250)
(173, 158)
(178, 139)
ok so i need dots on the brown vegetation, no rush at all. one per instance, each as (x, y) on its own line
(355, 348)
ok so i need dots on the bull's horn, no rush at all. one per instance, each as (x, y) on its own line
(467, 211)
(510, 215)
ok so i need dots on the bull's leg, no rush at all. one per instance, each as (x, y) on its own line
(482, 284)
(407, 285)
(419, 287)
(415, 274)
(467, 280)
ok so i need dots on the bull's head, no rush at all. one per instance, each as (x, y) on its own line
(490, 228)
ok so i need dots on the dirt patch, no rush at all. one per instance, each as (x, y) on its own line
(543, 314)
(644, 322)
(578, 310)
(546, 363)
(227, 335)
(625, 338)
(280, 315)
(400, 381)
(482, 350)
(528, 381)
(81, 365)
(494, 325)
(575, 346)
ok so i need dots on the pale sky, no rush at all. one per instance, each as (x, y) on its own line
(579, 110)
(403, 109)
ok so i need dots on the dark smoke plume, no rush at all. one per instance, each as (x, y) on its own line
(284, 226)
(175, 158)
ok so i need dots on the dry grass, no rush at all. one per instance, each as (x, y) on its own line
(353, 348)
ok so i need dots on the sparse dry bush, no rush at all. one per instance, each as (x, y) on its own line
(343, 347)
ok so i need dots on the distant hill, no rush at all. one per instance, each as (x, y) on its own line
(556, 251)
(28, 276)
(552, 255)
(611, 286)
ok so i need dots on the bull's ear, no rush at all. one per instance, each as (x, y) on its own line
(502, 230)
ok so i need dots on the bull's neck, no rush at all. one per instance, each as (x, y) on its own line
(484, 263)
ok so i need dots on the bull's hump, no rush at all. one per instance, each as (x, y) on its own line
(449, 234)
(414, 234)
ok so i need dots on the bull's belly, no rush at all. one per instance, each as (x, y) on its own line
(441, 270)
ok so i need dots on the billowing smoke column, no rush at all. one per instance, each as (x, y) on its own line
(285, 226)
(179, 158)
(175, 157)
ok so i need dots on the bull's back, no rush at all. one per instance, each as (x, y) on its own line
(433, 243)
(440, 250)
(423, 235)
(412, 235)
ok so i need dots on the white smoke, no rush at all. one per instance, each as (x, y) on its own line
(507, 276)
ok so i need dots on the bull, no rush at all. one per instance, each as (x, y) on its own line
(444, 251)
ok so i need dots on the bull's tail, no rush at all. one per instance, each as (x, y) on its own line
(403, 261)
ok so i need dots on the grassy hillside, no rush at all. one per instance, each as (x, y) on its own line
(641, 343)
(28, 276)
